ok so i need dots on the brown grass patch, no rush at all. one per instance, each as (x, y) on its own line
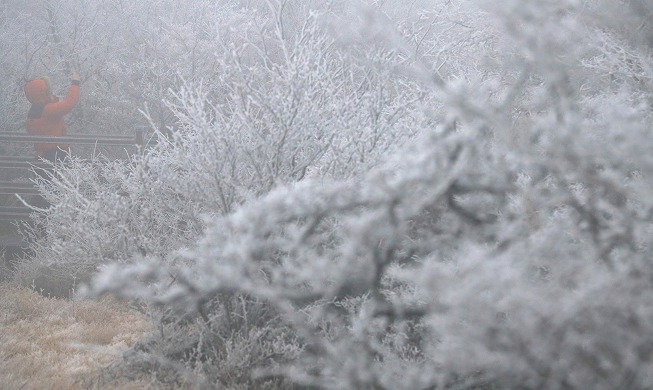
(48, 343)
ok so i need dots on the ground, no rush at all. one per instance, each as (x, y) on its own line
(48, 343)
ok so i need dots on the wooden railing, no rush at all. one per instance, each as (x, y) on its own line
(26, 187)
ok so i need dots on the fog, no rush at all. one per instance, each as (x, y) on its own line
(349, 194)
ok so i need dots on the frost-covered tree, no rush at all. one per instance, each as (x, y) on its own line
(291, 103)
(506, 246)
(128, 55)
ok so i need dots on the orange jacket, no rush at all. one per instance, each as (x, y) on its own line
(45, 117)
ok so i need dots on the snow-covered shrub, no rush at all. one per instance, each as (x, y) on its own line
(309, 109)
(508, 247)
(103, 211)
(316, 111)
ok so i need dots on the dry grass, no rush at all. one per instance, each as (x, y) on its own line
(48, 343)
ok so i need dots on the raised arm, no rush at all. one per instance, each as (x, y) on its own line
(65, 106)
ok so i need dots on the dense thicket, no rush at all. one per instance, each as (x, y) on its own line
(451, 194)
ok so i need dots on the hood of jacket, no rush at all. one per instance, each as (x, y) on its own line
(37, 92)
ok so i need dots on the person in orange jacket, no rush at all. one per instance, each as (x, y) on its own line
(46, 116)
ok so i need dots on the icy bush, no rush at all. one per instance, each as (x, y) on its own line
(506, 246)
(291, 103)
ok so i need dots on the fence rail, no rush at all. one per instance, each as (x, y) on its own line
(14, 213)
(8, 213)
(78, 139)
(10, 187)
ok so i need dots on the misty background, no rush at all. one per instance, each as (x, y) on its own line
(444, 194)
